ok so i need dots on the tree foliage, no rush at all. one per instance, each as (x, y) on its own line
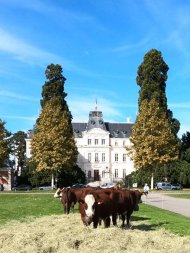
(185, 147)
(54, 86)
(153, 141)
(53, 145)
(18, 147)
(151, 77)
(4, 143)
(154, 134)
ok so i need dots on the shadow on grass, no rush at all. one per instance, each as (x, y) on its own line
(137, 218)
(149, 227)
(146, 227)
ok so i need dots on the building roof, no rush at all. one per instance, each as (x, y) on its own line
(116, 130)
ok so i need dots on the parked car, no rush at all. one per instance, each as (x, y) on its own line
(78, 186)
(176, 187)
(108, 185)
(46, 187)
(22, 187)
(168, 186)
(163, 186)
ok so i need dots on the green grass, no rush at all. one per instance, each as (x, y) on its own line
(158, 218)
(21, 206)
(179, 195)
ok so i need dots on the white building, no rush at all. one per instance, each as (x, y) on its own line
(102, 148)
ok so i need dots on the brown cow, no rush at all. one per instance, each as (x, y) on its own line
(128, 202)
(69, 196)
(104, 203)
(99, 205)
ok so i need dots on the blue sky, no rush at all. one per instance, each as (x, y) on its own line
(99, 45)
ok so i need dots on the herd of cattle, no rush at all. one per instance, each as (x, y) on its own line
(96, 205)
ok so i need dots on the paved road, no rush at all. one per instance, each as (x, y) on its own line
(176, 205)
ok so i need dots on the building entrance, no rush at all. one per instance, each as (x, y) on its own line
(96, 175)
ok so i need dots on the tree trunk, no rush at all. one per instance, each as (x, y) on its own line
(152, 181)
(52, 180)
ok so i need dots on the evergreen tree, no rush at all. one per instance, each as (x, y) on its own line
(4, 143)
(53, 145)
(152, 77)
(185, 147)
(18, 146)
(154, 135)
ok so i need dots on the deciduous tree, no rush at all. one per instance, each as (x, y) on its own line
(18, 147)
(53, 145)
(153, 141)
(4, 143)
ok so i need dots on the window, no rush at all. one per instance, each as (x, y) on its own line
(116, 143)
(103, 157)
(103, 173)
(89, 157)
(116, 157)
(103, 141)
(124, 173)
(96, 157)
(116, 173)
(89, 174)
(96, 141)
(123, 143)
(124, 157)
(89, 141)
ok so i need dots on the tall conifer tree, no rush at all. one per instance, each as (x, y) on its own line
(53, 144)
(153, 136)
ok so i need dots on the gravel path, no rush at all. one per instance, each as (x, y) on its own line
(176, 205)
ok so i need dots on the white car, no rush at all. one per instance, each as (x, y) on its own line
(45, 187)
(108, 185)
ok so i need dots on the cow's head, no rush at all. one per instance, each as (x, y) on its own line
(138, 200)
(88, 207)
(58, 193)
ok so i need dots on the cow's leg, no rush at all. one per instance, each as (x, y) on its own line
(65, 208)
(123, 220)
(107, 222)
(114, 219)
(72, 206)
(128, 219)
(68, 208)
(95, 222)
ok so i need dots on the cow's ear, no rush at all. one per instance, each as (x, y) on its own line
(81, 201)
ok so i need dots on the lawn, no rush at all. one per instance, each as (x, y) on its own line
(179, 195)
(21, 206)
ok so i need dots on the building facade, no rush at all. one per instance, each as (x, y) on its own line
(101, 147)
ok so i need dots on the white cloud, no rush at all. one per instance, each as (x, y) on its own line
(81, 106)
(28, 118)
(183, 105)
(139, 45)
(29, 54)
(8, 94)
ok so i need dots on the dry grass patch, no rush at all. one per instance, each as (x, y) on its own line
(66, 234)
